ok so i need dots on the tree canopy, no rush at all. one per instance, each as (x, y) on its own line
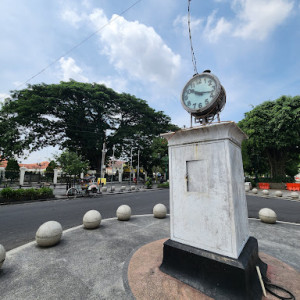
(79, 117)
(273, 128)
(71, 163)
(12, 169)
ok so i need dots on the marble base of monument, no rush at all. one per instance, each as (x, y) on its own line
(215, 275)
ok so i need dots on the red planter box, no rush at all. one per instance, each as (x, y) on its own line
(293, 186)
(264, 186)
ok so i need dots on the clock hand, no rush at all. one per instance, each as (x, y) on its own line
(201, 93)
(207, 92)
(198, 93)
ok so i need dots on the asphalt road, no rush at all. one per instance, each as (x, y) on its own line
(19, 222)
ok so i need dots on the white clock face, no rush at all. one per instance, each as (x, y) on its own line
(200, 92)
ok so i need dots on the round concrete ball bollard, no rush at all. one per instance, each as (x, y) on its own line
(123, 213)
(48, 234)
(159, 211)
(104, 189)
(132, 187)
(254, 191)
(265, 192)
(113, 188)
(267, 215)
(91, 219)
(247, 189)
(278, 193)
(123, 188)
(2, 255)
(294, 195)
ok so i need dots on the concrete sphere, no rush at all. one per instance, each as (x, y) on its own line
(159, 211)
(92, 219)
(113, 188)
(267, 215)
(122, 188)
(294, 195)
(2, 255)
(104, 189)
(265, 192)
(254, 191)
(48, 234)
(247, 188)
(278, 193)
(123, 213)
(132, 187)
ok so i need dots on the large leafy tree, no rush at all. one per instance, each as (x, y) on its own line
(79, 117)
(273, 128)
(71, 163)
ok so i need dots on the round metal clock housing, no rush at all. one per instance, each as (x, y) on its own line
(203, 95)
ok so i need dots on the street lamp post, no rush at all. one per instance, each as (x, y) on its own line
(130, 166)
(104, 150)
(112, 168)
(138, 167)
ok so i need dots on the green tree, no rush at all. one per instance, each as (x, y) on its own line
(159, 155)
(273, 128)
(72, 163)
(79, 117)
(50, 169)
(12, 169)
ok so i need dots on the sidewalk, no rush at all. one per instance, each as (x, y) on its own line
(285, 194)
(93, 264)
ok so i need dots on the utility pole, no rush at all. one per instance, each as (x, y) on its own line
(112, 167)
(130, 166)
(138, 167)
(102, 160)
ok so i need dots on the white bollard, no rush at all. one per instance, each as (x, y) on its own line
(91, 219)
(123, 213)
(254, 191)
(159, 211)
(267, 215)
(278, 193)
(2, 255)
(294, 195)
(265, 192)
(48, 234)
(104, 189)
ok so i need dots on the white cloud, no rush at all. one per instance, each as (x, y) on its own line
(137, 49)
(182, 21)
(73, 17)
(254, 19)
(119, 84)
(3, 96)
(258, 18)
(71, 70)
(214, 29)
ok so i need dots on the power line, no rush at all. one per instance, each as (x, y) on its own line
(190, 36)
(77, 45)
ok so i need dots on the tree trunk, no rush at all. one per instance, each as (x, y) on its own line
(277, 161)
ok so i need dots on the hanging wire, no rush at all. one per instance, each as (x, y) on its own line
(190, 35)
(77, 45)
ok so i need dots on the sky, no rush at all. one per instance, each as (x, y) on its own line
(143, 48)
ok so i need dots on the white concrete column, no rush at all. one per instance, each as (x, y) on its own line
(55, 176)
(22, 175)
(81, 175)
(120, 176)
(145, 176)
